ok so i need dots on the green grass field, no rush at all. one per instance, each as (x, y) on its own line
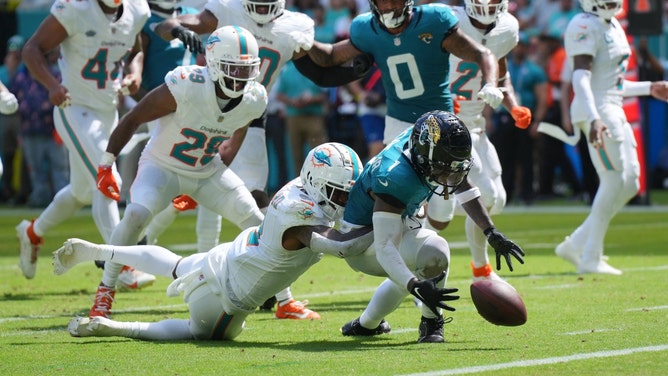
(578, 325)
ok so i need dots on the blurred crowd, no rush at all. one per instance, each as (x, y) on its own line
(301, 115)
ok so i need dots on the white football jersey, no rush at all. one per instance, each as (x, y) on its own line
(186, 141)
(257, 263)
(466, 76)
(277, 40)
(94, 53)
(606, 42)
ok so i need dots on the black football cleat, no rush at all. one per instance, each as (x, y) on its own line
(269, 304)
(431, 330)
(354, 328)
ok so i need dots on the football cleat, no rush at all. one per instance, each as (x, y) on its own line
(355, 328)
(104, 297)
(29, 248)
(295, 310)
(91, 327)
(431, 330)
(73, 252)
(566, 251)
(597, 267)
(132, 279)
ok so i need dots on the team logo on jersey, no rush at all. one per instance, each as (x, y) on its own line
(305, 213)
(90, 33)
(426, 37)
(580, 37)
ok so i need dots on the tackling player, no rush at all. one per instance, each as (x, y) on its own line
(223, 286)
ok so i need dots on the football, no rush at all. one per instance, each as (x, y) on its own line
(498, 302)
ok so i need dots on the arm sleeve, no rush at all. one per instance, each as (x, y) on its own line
(326, 77)
(388, 230)
(637, 88)
(583, 93)
(341, 249)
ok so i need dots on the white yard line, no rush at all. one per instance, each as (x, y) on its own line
(543, 361)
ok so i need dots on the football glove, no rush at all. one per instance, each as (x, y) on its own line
(522, 116)
(433, 296)
(456, 107)
(106, 183)
(503, 247)
(491, 95)
(183, 203)
(8, 103)
(189, 38)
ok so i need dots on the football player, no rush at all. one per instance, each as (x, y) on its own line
(99, 42)
(598, 51)
(433, 156)
(412, 47)
(223, 286)
(197, 109)
(489, 23)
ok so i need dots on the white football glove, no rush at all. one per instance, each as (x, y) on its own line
(303, 40)
(8, 103)
(491, 95)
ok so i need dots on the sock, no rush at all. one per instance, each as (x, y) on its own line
(384, 301)
(284, 296)
(207, 229)
(477, 243)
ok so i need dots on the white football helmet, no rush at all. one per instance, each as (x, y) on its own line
(328, 173)
(485, 11)
(389, 19)
(232, 59)
(112, 3)
(605, 9)
(263, 11)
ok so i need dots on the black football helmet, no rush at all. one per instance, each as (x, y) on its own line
(440, 147)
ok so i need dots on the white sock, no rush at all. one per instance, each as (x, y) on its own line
(208, 229)
(105, 214)
(384, 301)
(477, 243)
(284, 296)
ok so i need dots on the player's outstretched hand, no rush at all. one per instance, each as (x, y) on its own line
(491, 94)
(191, 40)
(431, 295)
(503, 247)
(522, 116)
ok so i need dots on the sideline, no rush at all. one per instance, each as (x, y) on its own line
(544, 361)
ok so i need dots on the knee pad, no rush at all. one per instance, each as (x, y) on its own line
(433, 257)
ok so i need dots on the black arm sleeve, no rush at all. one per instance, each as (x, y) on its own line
(332, 76)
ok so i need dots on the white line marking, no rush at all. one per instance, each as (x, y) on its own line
(647, 308)
(544, 361)
(591, 331)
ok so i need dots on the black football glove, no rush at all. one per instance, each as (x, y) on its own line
(431, 295)
(191, 40)
(362, 64)
(503, 247)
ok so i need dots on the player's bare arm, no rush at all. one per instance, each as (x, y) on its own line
(157, 103)
(475, 209)
(328, 55)
(135, 67)
(201, 23)
(48, 36)
(462, 46)
(229, 148)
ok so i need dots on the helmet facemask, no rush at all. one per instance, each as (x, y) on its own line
(232, 59)
(485, 11)
(389, 19)
(263, 11)
(604, 9)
